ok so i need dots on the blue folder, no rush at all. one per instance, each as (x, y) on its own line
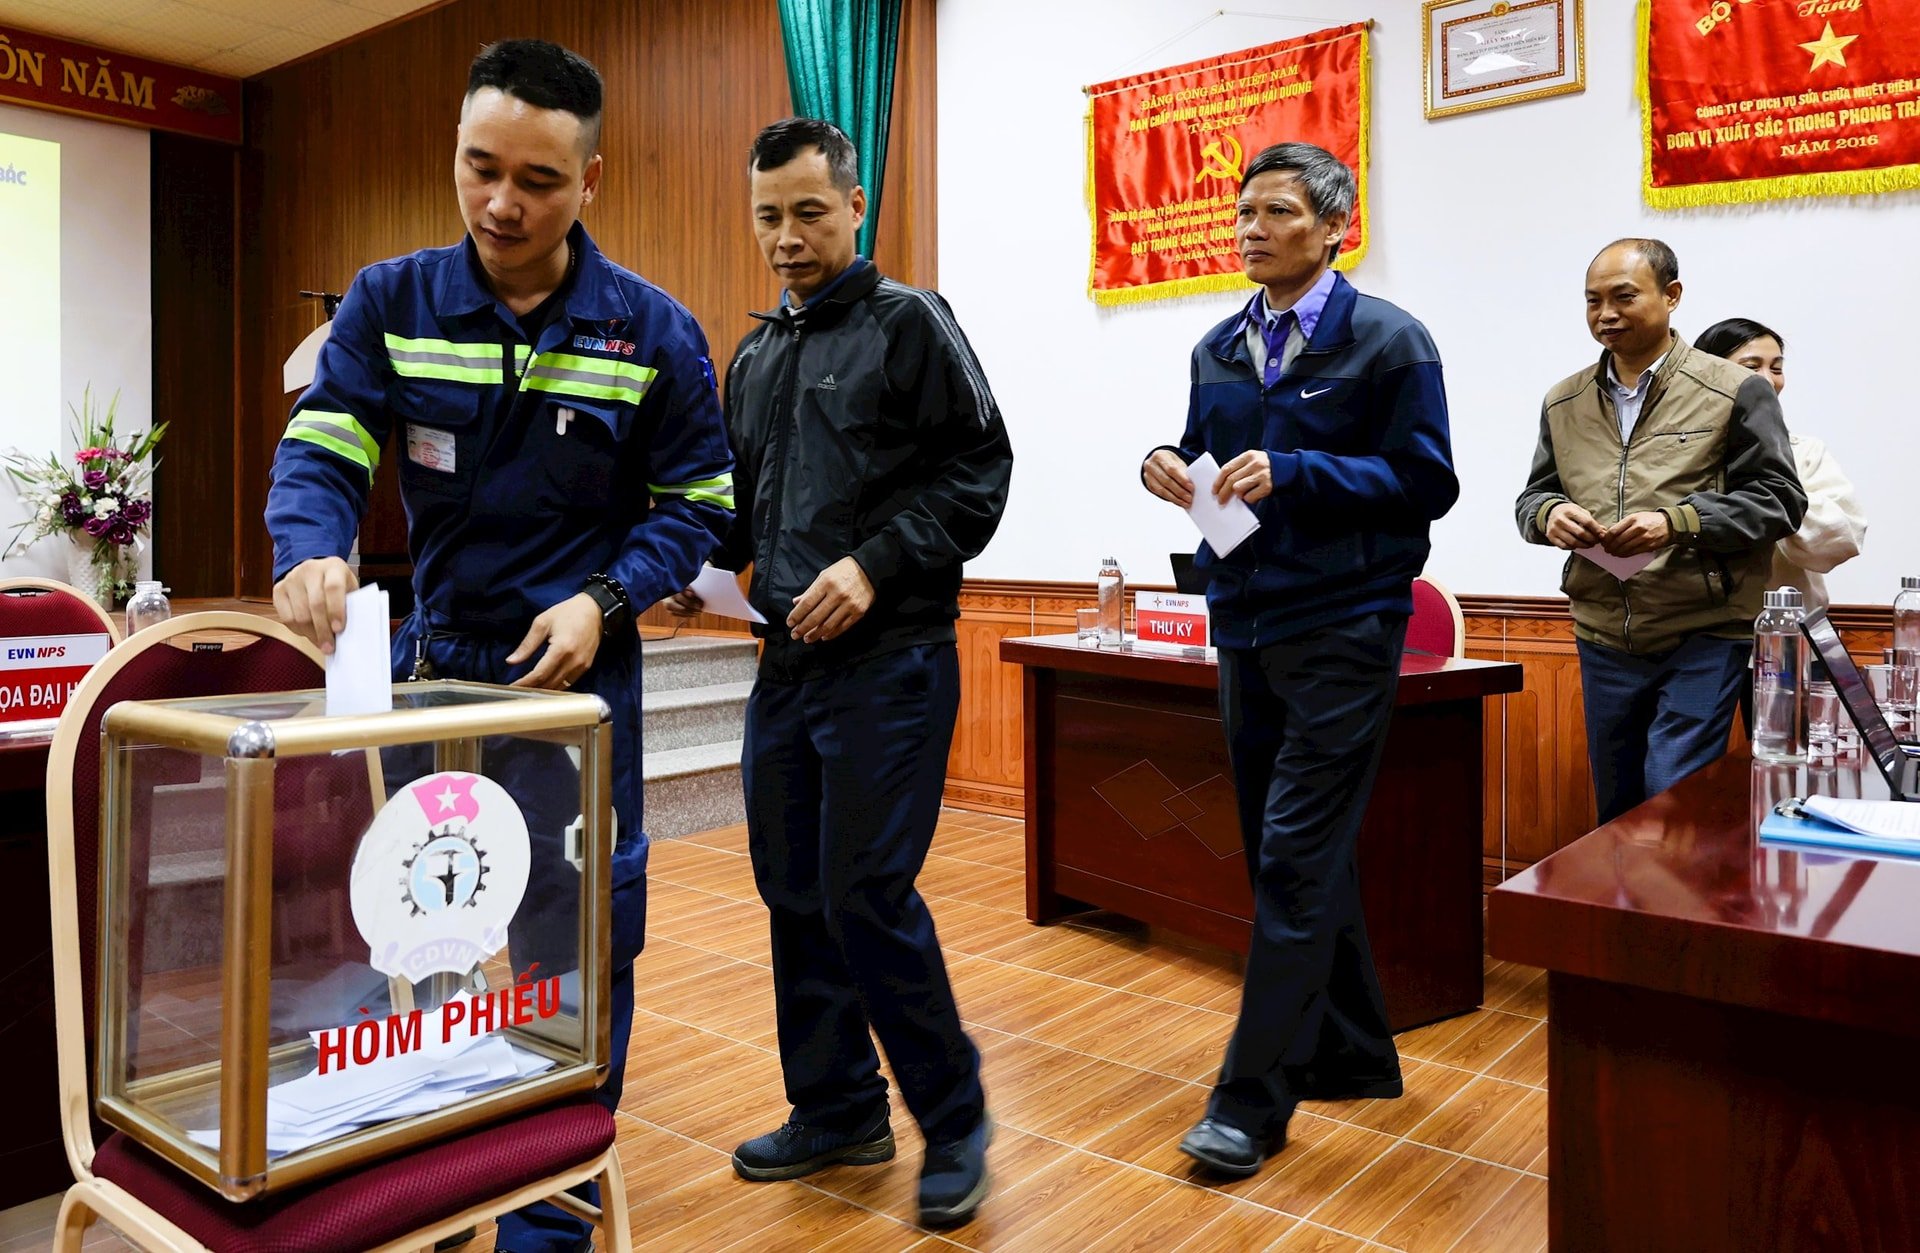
(1789, 824)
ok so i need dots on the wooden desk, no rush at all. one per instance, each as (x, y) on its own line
(1130, 807)
(1733, 1029)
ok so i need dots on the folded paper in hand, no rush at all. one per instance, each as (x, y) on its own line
(360, 668)
(1622, 568)
(1224, 526)
(719, 592)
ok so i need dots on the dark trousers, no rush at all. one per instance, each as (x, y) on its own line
(843, 777)
(545, 784)
(1306, 721)
(1654, 719)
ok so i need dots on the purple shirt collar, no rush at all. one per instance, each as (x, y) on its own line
(1306, 310)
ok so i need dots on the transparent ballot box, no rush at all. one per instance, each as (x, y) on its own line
(326, 940)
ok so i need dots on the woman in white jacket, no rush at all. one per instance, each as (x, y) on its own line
(1835, 526)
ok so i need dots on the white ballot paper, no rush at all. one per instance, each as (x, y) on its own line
(360, 669)
(1224, 526)
(720, 594)
(1622, 568)
(314, 1108)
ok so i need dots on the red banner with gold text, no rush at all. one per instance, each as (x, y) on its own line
(1762, 99)
(42, 72)
(1165, 151)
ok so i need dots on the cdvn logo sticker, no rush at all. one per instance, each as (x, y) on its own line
(439, 875)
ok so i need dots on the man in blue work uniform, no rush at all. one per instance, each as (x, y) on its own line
(563, 459)
(1326, 411)
(872, 463)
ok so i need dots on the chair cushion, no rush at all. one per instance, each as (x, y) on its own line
(1431, 629)
(371, 1206)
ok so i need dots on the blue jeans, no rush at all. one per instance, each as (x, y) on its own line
(544, 783)
(843, 777)
(1654, 719)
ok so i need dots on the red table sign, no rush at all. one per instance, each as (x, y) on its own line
(1167, 618)
(39, 672)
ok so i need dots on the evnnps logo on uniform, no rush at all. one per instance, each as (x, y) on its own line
(439, 875)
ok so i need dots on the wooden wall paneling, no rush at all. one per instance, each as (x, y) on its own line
(193, 303)
(1537, 791)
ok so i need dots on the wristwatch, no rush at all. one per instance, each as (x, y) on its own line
(616, 611)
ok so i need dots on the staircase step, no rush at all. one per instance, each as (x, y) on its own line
(697, 661)
(688, 716)
(693, 789)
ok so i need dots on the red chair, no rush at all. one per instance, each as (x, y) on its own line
(1437, 627)
(45, 607)
(398, 1204)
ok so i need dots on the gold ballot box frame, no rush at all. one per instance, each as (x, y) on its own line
(201, 1018)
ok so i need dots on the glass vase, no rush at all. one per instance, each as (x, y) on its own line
(92, 579)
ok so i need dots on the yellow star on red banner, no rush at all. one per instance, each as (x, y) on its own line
(1829, 49)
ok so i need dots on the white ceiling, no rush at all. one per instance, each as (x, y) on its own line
(232, 37)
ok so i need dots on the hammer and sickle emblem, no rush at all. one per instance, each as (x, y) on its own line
(1218, 163)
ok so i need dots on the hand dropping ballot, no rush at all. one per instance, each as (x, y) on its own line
(1223, 526)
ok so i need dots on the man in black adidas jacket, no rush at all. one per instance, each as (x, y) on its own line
(871, 462)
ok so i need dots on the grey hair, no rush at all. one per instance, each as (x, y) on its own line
(1330, 185)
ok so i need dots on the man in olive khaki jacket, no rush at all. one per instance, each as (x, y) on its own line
(1688, 461)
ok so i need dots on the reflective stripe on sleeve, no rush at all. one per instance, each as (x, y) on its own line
(715, 491)
(337, 432)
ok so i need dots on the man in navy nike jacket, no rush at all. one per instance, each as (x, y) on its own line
(1326, 413)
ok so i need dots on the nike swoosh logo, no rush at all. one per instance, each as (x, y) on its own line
(1306, 395)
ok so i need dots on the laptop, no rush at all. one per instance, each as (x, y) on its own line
(1186, 579)
(1900, 763)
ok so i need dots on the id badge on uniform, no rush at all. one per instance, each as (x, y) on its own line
(430, 448)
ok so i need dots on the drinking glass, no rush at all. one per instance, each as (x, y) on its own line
(1881, 682)
(1823, 719)
(1086, 627)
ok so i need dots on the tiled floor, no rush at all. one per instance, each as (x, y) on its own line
(1097, 1040)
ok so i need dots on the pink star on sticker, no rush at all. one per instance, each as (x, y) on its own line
(446, 796)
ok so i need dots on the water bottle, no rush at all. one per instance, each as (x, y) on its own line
(1112, 587)
(149, 606)
(1906, 613)
(1779, 680)
(1904, 656)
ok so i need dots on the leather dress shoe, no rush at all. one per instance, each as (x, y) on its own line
(1227, 1150)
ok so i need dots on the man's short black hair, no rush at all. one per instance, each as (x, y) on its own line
(544, 75)
(1722, 338)
(1658, 256)
(789, 137)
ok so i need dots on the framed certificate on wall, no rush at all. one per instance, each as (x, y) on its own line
(1480, 53)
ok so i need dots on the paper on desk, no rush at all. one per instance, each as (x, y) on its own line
(720, 593)
(1892, 820)
(360, 669)
(1224, 526)
(1622, 568)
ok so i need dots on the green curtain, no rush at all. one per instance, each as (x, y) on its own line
(840, 57)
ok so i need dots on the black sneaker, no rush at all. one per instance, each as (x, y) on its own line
(953, 1178)
(797, 1149)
